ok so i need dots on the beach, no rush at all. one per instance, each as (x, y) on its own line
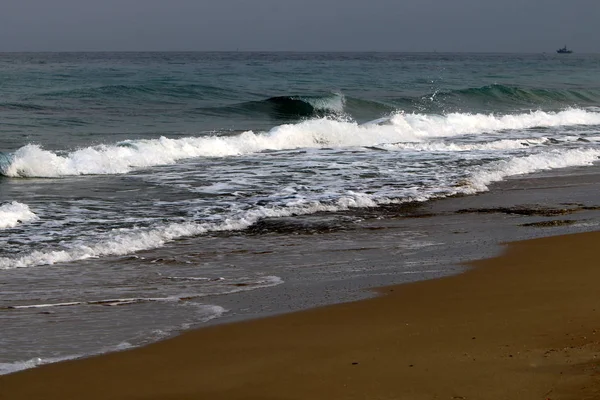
(146, 194)
(522, 325)
(166, 234)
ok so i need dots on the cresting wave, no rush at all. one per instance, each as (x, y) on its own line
(495, 95)
(127, 241)
(33, 161)
(286, 107)
(14, 213)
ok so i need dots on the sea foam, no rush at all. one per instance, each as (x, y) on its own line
(437, 146)
(34, 161)
(554, 159)
(11, 367)
(127, 241)
(14, 213)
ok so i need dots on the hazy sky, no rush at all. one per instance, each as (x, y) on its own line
(300, 25)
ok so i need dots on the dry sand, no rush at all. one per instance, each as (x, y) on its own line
(521, 326)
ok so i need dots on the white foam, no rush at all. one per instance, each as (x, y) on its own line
(334, 103)
(107, 302)
(12, 214)
(499, 170)
(464, 123)
(33, 161)
(504, 144)
(9, 368)
(127, 241)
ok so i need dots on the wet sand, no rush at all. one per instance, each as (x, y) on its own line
(520, 326)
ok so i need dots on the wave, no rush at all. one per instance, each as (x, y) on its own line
(498, 170)
(128, 241)
(530, 95)
(499, 97)
(12, 214)
(284, 107)
(33, 161)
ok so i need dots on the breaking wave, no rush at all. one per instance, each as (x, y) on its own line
(554, 159)
(285, 107)
(34, 161)
(127, 241)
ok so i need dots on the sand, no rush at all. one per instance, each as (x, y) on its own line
(520, 326)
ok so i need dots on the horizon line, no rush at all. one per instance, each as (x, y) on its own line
(288, 51)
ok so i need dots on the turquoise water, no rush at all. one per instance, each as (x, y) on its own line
(107, 155)
(77, 99)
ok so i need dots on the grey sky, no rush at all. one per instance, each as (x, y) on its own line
(300, 25)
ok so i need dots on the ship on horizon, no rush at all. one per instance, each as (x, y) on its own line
(564, 50)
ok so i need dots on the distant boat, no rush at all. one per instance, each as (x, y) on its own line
(564, 50)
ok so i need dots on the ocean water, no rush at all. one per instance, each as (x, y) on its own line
(122, 174)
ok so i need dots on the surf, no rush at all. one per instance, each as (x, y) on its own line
(15, 213)
(33, 161)
(128, 241)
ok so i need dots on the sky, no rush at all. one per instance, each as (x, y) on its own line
(300, 25)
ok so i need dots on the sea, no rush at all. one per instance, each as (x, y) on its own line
(141, 192)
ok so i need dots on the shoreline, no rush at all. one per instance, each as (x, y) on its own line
(520, 325)
(462, 229)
